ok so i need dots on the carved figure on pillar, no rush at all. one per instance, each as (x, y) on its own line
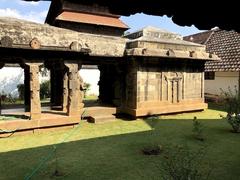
(81, 87)
(75, 104)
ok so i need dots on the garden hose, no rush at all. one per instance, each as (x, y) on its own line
(53, 151)
(8, 131)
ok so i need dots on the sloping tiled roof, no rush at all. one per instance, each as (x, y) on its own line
(91, 19)
(225, 44)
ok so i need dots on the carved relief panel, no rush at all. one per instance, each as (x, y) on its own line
(174, 86)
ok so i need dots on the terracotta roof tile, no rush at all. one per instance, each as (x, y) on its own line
(91, 19)
(226, 44)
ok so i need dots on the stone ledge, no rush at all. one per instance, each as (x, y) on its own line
(164, 109)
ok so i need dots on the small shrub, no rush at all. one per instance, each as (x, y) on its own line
(234, 121)
(179, 163)
(232, 106)
(152, 150)
(198, 129)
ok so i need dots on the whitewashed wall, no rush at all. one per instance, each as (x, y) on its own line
(222, 80)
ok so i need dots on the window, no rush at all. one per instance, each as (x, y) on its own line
(209, 75)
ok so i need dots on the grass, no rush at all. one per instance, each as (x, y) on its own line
(21, 102)
(7, 117)
(113, 150)
(91, 97)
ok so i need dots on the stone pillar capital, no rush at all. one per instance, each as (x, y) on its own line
(33, 64)
(73, 65)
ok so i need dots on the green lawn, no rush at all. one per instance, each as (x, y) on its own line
(113, 150)
(91, 97)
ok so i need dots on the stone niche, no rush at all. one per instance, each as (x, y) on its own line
(164, 74)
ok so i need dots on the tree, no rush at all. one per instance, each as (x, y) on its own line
(232, 105)
(20, 91)
(45, 89)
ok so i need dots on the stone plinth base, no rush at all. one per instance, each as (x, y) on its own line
(47, 121)
(35, 116)
(165, 109)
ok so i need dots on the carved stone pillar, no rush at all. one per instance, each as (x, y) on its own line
(65, 91)
(1, 65)
(74, 105)
(27, 89)
(35, 104)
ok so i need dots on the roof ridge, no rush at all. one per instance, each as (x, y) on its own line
(209, 37)
(198, 33)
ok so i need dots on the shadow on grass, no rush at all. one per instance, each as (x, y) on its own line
(216, 106)
(13, 117)
(120, 156)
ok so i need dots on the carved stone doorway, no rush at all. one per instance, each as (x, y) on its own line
(174, 87)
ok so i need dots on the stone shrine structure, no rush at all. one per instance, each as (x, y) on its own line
(166, 74)
(151, 71)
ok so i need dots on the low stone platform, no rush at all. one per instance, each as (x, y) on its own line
(49, 120)
(100, 114)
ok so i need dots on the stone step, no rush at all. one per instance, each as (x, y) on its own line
(101, 119)
(99, 111)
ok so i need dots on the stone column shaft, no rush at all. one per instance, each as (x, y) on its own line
(75, 105)
(65, 91)
(27, 89)
(1, 65)
(35, 104)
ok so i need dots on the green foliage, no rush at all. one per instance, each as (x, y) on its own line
(45, 89)
(232, 106)
(7, 99)
(181, 163)
(20, 91)
(43, 71)
(234, 121)
(198, 129)
(232, 102)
